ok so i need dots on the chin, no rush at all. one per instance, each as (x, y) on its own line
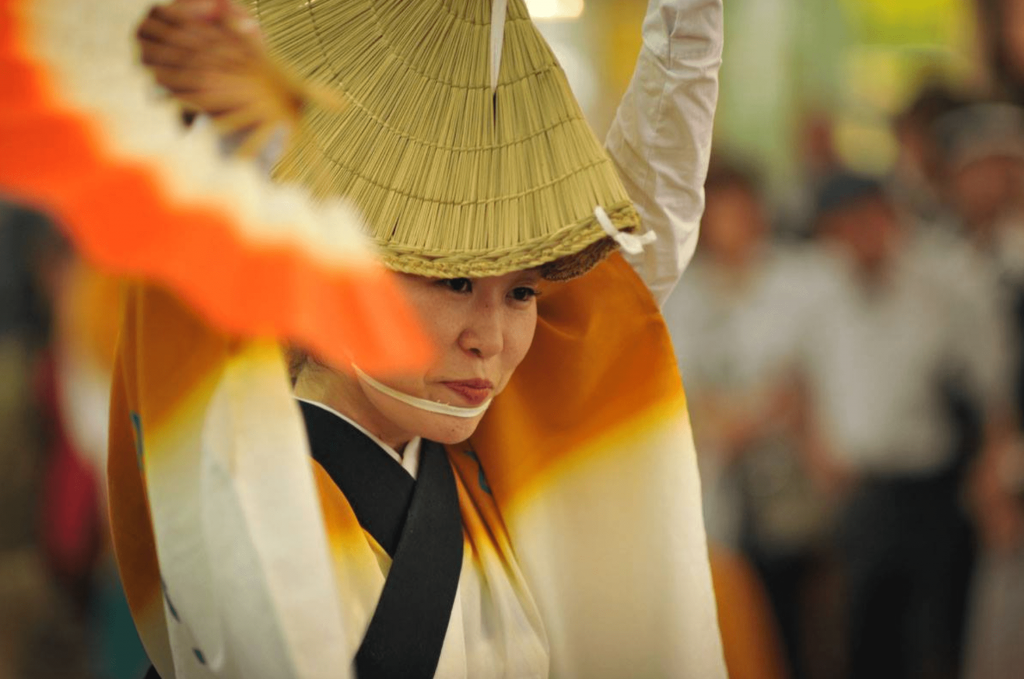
(445, 428)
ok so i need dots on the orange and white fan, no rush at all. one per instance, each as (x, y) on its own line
(221, 266)
(86, 136)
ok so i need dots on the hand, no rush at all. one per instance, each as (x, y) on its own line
(210, 56)
(738, 420)
(1001, 524)
(997, 510)
(833, 477)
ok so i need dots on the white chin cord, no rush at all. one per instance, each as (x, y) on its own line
(422, 403)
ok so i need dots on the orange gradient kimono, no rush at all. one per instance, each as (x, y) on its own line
(583, 543)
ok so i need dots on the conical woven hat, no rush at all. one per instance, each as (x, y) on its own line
(453, 178)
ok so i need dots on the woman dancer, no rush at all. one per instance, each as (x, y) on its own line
(527, 505)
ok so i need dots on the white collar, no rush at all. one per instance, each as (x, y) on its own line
(410, 457)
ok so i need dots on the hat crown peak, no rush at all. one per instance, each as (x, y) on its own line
(458, 170)
(499, 9)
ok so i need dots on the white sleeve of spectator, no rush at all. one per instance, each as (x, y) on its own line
(981, 336)
(661, 137)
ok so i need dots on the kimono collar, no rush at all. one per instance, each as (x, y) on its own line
(410, 457)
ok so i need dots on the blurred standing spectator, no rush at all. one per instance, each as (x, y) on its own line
(984, 144)
(886, 337)
(27, 246)
(37, 625)
(983, 152)
(26, 238)
(732, 321)
(819, 159)
(1001, 24)
(61, 604)
(996, 622)
(917, 180)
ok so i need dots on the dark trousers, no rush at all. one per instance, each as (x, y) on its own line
(785, 579)
(907, 552)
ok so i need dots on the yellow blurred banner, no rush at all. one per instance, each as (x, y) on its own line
(922, 23)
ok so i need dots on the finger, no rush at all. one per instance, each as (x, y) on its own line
(219, 58)
(219, 96)
(195, 34)
(161, 54)
(223, 8)
(184, 11)
(202, 45)
(188, 102)
(243, 25)
(230, 53)
(228, 10)
(181, 81)
(217, 102)
(238, 20)
(158, 31)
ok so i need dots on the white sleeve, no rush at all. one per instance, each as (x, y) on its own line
(661, 137)
(981, 343)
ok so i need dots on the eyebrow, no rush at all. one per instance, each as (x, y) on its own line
(529, 276)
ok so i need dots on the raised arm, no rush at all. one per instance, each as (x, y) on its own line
(661, 137)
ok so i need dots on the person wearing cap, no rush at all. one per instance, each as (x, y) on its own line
(984, 149)
(915, 182)
(884, 343)
(528, 505)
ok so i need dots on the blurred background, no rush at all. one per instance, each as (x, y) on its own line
(850, 336)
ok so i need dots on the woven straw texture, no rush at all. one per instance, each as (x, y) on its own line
(453, 179)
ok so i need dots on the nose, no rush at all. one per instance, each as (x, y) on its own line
(483, 335)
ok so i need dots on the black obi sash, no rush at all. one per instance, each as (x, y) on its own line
(418, 523)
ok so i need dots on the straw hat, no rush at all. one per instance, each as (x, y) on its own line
(453, 176)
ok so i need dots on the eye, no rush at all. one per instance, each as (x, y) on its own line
(524, 293)
(460, 285)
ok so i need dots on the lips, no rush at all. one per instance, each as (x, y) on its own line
(473, 392)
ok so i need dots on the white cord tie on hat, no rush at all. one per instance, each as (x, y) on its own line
(498, 10)
(422, 403)
(629, 242)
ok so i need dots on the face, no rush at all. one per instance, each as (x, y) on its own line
(1012, 26)
(918, 154)
(481, 329)
(734, 224)
(985, 188)
(868, 231)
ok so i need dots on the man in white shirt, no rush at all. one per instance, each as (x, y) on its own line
(883, 340)
(734, 325)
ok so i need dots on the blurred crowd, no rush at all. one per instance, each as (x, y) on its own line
(855, 372)
(855, 383)
(62, 611)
